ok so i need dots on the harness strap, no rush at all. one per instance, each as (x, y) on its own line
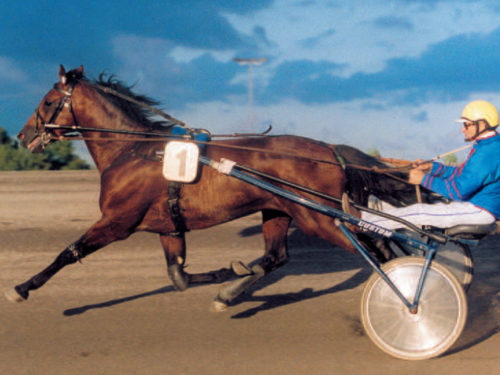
(174, 190)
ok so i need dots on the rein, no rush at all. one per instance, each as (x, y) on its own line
(159, 137)
(164, 138)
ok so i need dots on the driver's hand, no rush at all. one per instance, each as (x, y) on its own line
(416, 176)
(421, 165)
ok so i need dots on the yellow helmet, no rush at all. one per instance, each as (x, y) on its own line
(480, 110)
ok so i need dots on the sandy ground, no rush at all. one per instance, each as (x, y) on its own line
(117, 313)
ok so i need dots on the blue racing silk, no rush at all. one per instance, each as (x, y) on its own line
(477, 180)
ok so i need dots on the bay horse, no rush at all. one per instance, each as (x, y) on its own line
(134, 195)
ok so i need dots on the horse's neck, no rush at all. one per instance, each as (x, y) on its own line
(105, 148)
(105, 153)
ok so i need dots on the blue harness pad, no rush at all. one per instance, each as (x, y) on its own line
(193, 133)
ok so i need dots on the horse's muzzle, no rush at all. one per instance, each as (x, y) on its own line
(32, 142)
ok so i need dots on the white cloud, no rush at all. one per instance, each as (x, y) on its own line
(356, 41)
(9, 72)
(394, 132)
(358, 34)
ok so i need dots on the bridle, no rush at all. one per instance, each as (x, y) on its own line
(46, 137)
(65, 101)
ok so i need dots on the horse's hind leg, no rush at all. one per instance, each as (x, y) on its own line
(99, 235)
(275, 226)
(274, 229)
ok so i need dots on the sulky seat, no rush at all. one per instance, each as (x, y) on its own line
(472, 231)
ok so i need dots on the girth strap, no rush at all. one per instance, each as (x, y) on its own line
(174, 189)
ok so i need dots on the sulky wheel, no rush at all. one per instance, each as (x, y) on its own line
(457, 257)
(433, 329)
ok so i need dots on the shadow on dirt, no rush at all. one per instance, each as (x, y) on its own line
(308, 256)
(82, 309)
(270, 302)
(311, 256)
(483, 297)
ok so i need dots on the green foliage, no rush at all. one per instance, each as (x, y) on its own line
(57, 156)
(450, 159)
(373, 152)
(4, 137)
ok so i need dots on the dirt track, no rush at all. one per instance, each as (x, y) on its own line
(117, 313)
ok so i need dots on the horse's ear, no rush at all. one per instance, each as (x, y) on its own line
(62, 74)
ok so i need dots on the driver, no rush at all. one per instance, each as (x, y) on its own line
(473, 187)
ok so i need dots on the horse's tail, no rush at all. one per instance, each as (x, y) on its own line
(363, 179)
(359, 181)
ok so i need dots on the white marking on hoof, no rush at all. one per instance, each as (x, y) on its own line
(13, 296)
(240, 269)
(218, 306)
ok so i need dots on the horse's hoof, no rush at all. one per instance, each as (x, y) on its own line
(178, 277)
(218, 306)
(13, 296)
(240, 269)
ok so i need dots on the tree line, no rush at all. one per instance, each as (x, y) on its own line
(57, 156)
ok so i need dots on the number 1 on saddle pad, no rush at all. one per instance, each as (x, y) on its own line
(180, 161)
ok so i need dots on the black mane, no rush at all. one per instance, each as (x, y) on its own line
(142, 115)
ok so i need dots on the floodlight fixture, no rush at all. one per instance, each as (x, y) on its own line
(250, 62)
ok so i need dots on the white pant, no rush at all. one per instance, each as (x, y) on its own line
(440, 215)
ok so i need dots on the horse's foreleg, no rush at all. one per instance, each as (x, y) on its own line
(274, 229)
(175, 255)
(68, 256)
(99, 235)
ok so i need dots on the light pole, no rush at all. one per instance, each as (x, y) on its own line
(250, 63)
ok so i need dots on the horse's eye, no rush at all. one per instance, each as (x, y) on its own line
(47, 103)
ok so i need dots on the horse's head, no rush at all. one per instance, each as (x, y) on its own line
(55, 107)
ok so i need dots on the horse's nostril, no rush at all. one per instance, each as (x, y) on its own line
(20, 136)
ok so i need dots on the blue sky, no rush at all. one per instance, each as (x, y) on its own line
(391, 74)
